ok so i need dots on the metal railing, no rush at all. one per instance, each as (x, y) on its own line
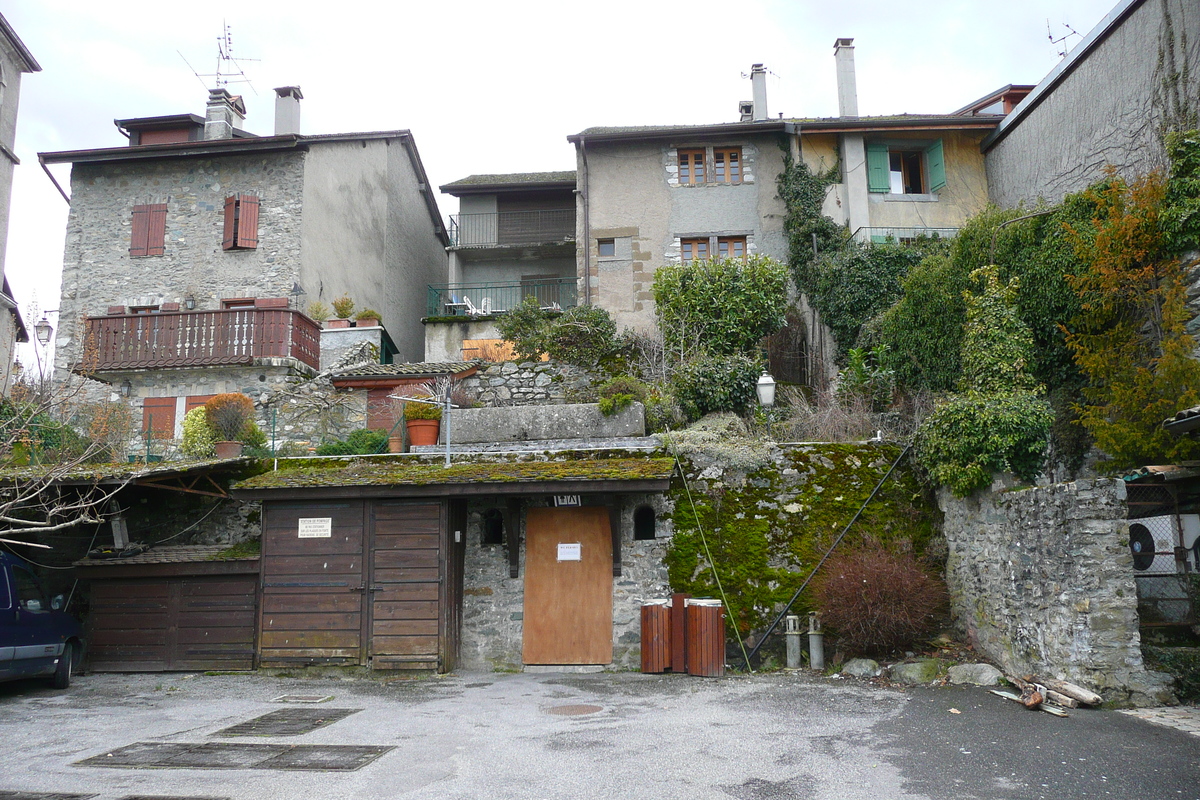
(902, 235)
(512, 228)
(486, 299)
(202, 338)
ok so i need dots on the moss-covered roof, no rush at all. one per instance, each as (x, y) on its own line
(393, 472)
(112, 473)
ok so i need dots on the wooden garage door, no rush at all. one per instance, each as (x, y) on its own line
(406, 585)
(568, 600)
(177, 623)
(312, 583)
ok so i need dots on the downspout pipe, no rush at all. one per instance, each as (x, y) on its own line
(587, 224)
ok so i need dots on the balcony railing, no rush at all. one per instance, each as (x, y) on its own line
(903, 235)
(202, 338)
(512, 228)
(485, 299)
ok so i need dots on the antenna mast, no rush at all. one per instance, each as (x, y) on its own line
(229, 69)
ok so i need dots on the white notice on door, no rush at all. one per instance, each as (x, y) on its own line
(316, 527)
(569, 552)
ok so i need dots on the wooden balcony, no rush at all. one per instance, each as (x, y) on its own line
(201, 339)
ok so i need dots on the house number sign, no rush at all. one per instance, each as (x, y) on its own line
(316, 527)
(572, 551)
(566, 500)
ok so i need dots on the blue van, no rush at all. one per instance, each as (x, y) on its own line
(37, 638)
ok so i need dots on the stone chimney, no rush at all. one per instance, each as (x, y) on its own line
(287, 110)
(225, 114)
(843, 53)
(758, 82)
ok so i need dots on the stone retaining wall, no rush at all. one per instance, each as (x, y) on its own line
(529, 383)
(1042, 581)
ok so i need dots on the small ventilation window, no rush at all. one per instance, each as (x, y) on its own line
(643, 523)
(493, 527)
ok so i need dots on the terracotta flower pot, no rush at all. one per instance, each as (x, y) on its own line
(228, 449)
(395, 444)
(368, 322)
(423, 431)
(337, 323)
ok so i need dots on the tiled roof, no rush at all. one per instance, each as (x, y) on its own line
(390, 471)
(566, 176)
(178, 554)
(405, 370)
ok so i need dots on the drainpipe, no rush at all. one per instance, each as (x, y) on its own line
(587, 225)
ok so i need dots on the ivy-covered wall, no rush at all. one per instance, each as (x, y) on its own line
(767, 526)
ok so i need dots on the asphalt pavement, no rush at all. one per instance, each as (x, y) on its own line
(551, 736)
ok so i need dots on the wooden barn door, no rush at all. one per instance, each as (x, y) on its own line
(405, 586)
(312, 583)
(568, 586)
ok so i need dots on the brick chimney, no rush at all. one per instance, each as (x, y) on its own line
(843, 53)
(224, 114)
(287, 109)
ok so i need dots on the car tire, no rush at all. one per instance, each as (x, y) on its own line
(66, 664)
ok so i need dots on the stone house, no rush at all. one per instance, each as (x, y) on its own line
(15, 59)
(192, 251)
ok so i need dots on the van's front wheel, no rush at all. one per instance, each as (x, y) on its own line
(66, 662)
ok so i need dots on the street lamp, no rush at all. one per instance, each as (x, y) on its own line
(766, 390)
(44, 330)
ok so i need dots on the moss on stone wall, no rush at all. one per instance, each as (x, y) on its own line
(768, 528)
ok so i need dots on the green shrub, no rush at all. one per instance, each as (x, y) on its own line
(422, 411)
(364, 441)
(803, 193)
(526, 328)
(584, 335)
(368, 313)
(712, 383)
(343, 307)
(724, 306)
(866, 379)
(318, 311)
(227, 415)
(198, 437)
(663, 411)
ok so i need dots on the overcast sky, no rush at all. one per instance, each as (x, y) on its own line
(491, 86)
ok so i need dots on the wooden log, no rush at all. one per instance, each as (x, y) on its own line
(1071, 690)
(1060, 699)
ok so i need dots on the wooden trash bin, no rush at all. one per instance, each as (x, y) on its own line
(679, 632)
(656, 636)
(705, 638)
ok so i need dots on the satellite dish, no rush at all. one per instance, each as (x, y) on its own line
(1141, 542)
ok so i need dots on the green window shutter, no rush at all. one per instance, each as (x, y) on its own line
(877, 168)
(937, 166)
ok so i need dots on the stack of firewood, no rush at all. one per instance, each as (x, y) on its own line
(1049, 695)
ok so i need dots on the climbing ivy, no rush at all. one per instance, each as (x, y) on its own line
(803, 194)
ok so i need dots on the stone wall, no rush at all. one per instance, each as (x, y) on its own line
(529, 383)
(539, 423)
(1042, 581)
(493, 603)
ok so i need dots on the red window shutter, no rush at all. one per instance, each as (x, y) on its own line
(156, 235)
(247, 229)
(196, 401)
(158, 417)
(227, 241)
(141, 230)
(116, 309)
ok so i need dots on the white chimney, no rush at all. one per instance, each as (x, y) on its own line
(843, 53)
(287, 110)
(225, 114)
(758, 81)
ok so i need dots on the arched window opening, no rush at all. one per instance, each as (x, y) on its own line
(643, 523)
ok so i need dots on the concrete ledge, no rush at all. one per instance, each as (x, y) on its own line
(535, 423)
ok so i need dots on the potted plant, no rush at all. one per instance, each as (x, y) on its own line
(343, 307)
(368, 318)
(318, 311)
(423, 421)
(229, 415)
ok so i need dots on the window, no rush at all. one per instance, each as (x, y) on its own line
(29, 591)
(727, 164)
(606, 248)
(158, 417)
(895, 169)
(493, 527)
(643, 523)
(731, 247)
(691, 166)
(149, 230)
(693, 250)
(237, 302)
(143, 309)
(241, 222)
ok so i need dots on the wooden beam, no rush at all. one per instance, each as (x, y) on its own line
(614, 524)
(512, 536)
(479, 489)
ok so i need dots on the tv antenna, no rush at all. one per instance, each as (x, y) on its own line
(229, 69)
(1056, 42)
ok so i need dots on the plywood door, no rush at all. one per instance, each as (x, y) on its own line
(312, 588)
(405, 587)
(568, 604)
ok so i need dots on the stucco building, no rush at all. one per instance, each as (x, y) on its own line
(192, 252)
(1107, 103)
